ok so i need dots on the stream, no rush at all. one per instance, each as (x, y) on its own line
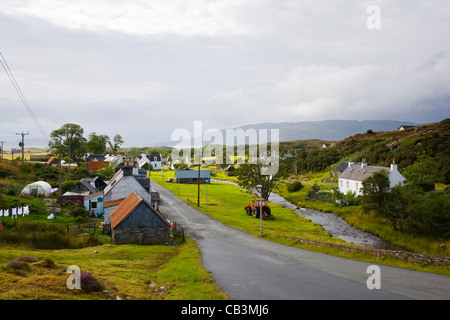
(331, 223)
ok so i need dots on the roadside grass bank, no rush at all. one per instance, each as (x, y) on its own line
(226, 202)
(123, 272)
(35, 253)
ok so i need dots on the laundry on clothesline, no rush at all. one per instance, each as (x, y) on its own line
(19, 211)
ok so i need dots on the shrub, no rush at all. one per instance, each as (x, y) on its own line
(4, 173)
(27, 259)
(89, 283)
(295, 186)
(49, 263)
(315, 187)
(19, 267)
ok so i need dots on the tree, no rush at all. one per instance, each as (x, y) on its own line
(97, 143)
(424, 172)
(117, 142)
(70, 139)
(375, 190)
(249, 176)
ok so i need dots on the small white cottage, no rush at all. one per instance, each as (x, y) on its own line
(351, 179)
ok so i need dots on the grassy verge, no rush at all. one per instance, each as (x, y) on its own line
(125, 271)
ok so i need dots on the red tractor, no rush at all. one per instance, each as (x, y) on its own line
(254, 209)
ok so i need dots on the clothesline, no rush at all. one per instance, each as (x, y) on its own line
(14, 212)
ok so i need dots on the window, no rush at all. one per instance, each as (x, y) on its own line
(347, 184)
(94, 205)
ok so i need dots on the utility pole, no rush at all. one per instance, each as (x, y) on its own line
(22, 144)
(60, 168)
(198, 183)
(2, 147)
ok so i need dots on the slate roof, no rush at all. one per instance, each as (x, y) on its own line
(88, 186)
(192, 174)
(355, 172)
(344, 165)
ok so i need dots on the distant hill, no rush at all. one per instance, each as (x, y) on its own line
(327, 130)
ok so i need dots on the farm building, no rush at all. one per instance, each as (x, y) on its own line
(136, 221)
(191, 176)
(77, 193)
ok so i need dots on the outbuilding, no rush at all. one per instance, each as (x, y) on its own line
(94, 204)
(38, 188)
(191, 176)
(135, 221)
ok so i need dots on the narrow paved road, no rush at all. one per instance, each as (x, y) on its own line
(247, 267)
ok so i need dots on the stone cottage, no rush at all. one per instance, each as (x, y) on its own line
(136, 221)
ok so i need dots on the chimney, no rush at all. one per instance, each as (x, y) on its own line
(363, 163)
(350, 163)
(127, 167)
(393, 165)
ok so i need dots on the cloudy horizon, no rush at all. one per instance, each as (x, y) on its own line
(142, 69)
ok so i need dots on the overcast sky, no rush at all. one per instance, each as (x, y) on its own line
(145, 68)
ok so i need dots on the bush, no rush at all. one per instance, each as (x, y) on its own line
(295, 186)
(49, 263)
(315, 187)
(27, 259)
(4, 173)
(89, 283)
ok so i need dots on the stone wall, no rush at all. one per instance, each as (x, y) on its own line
(380, 253)
(141, 235)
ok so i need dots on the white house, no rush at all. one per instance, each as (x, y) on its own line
(351, 179)
(154, 160)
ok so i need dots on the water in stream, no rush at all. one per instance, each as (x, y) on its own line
(331, 223)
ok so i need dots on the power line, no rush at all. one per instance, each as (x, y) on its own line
(21, 95)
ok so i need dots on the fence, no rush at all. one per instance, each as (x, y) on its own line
(81, 229)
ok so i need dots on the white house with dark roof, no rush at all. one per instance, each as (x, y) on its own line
(353, 176)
